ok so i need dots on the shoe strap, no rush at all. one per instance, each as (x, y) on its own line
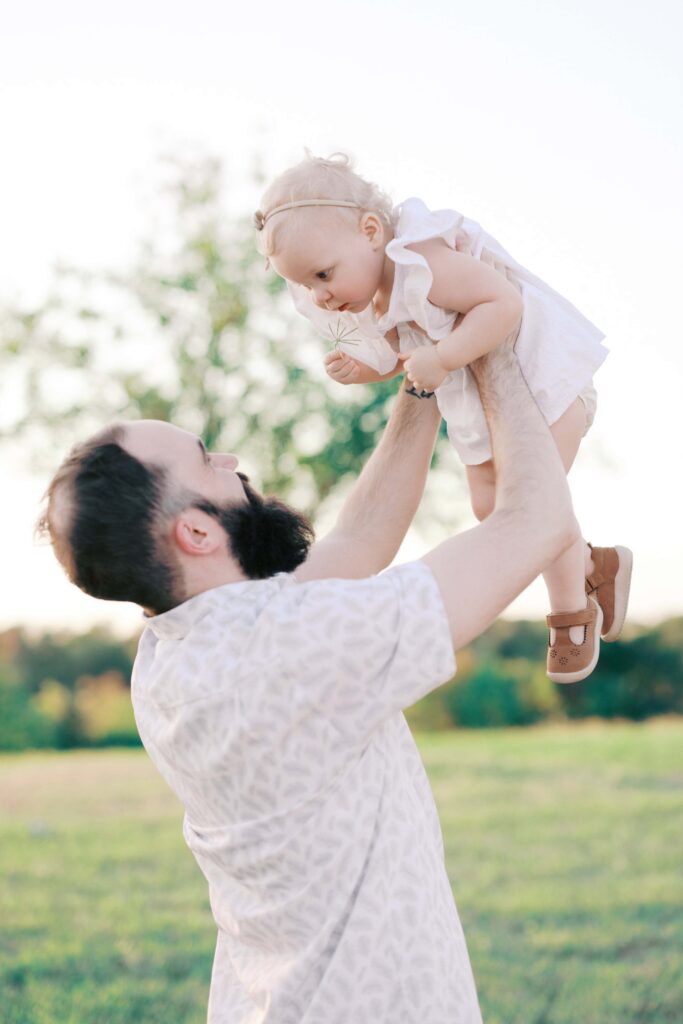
(593, 581)
(606, 564)
(561, 620)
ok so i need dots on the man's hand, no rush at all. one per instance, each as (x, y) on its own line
(423, 369)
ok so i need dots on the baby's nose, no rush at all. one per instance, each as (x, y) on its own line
(225, 460)
(322, 298)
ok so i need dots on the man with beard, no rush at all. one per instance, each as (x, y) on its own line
(269, 685)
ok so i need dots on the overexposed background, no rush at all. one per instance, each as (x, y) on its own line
(557, 126)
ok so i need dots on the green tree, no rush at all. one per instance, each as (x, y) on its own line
(22, 725)
(498, 693)
(200, 334)
(65, 658)
(636, 678)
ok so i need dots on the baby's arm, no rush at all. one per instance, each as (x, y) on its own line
(346, 370)
(491, 305)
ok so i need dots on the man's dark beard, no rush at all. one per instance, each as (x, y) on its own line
(265, 535)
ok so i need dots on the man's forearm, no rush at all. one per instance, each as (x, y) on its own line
(530, 481)
(479, 572)
(387, 493)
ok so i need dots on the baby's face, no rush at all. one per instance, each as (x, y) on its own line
(341, 263)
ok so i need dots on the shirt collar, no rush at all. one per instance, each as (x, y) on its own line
(177, 622)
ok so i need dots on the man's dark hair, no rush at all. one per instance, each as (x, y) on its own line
(107, 538)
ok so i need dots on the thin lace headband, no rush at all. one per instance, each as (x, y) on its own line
(261, 218)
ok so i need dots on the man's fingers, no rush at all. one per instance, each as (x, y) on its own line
(406, 368)
(404, 357)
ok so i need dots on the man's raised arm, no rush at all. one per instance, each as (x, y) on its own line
(481, 571)
(381, 506)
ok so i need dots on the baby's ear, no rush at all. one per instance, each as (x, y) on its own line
(372, 227)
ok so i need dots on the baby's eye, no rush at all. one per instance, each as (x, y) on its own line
(323, 275)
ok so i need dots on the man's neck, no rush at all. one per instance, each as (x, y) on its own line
(199, 579)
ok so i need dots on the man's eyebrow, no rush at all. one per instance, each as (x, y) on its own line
(202, 448)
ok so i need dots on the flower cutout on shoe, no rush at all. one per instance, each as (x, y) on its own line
(568, 661)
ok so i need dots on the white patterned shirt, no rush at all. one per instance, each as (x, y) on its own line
(273, 710)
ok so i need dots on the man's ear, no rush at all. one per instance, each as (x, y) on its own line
(197, 533)
(372, 227)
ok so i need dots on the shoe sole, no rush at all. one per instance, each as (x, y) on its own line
(622, 588)
(576, 677)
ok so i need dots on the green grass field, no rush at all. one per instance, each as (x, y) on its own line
(564, 846)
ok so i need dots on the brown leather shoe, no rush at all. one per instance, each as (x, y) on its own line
(609, 585)
(569, 662)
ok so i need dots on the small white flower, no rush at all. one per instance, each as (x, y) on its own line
(340, 333)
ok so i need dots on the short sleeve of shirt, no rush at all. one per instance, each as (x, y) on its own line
(360, 650)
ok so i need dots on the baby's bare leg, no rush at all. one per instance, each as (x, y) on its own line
(481, 480)
(566, 578)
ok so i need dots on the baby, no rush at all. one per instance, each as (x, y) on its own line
(426, 292)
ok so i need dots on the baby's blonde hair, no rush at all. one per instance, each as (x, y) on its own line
(315, 178)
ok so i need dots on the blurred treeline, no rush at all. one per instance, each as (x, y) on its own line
(73, 691)
(65, 691)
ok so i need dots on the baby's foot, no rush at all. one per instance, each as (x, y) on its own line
(569, 662)
(609, 585)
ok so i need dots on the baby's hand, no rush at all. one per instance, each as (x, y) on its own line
(342, 368)
(423, 368)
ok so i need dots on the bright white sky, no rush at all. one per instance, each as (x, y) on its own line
(558, 126)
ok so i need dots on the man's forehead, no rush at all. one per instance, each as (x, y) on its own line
(61, 510)
(154, 439)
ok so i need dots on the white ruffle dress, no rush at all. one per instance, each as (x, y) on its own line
(559, 350)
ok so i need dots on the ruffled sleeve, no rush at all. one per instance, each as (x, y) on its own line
(356, 334)
(415, 222)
